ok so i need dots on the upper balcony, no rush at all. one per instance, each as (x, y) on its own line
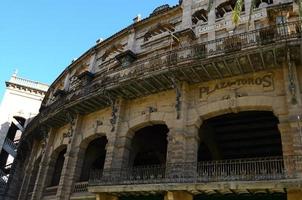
(248, 52)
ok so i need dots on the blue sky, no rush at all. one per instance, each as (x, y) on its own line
(41, 37)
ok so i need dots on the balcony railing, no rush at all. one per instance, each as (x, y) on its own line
(177, 58)
(258, 169)
(80, 187)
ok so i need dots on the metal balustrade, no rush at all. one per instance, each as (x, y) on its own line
(80, 187)
(257, 169)
(175, 59)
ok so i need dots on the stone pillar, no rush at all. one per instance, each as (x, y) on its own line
(178, 195)
(29, 173)
(92, 62)
(247, 5)
(292, 88)
(117, 144)
(102, 196)
(211, 24)
(67, 82)
(187, 14)
(45, 164)
(182, 139)
(68, 176)
(294, 195)
(131, 40)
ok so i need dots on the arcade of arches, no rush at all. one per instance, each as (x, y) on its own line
(249, 134)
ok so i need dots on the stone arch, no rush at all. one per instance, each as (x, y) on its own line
(200, 15)
(263, 3)
(56, 151)
(85, 161)
(253, 103)
(55, 164)
(225, 7)
(138, 130)
(262, 106)
(85, 141)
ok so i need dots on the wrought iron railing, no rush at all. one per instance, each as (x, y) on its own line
(258, 169)
(80, 187)
(176, 58)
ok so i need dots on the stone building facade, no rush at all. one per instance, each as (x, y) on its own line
(21, 102)
(181, 105)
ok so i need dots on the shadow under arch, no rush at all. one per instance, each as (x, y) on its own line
(92, 154)
(246, 134)
(57, 159)
(148, 143)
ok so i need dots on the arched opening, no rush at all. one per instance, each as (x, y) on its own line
(244, 146)
(56, 175)
(94, 158)
(251, 134)
(200, 15)
(263, 3)
(34, 175)
(226, 7)
(149, 146)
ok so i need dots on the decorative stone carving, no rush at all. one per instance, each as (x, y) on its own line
(178, 97)
(71, 118)
(44, 134)
(292, 85)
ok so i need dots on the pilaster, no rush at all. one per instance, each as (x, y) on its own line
(182, 138)
(187, 14)
(68, 175)
(211, 23)
(131, 40)
(29, 172)
(116, 147)
(45, 164)
(92, 61)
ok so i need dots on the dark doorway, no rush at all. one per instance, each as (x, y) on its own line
(34, 175)
(94, 157)
(58, 168)
(251, 134)
(149, 146)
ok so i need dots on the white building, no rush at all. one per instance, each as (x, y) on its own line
(20, 103)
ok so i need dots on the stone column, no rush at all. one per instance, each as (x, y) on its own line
(294, 117)
(247, 5)
(131, 40)
(182, 139)
(211, 24)
(178, 195)
(29, 173)
(294, 194)
(187, 14)
(92, 61)
(45, 164)
(68, 176)
(117, 144)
